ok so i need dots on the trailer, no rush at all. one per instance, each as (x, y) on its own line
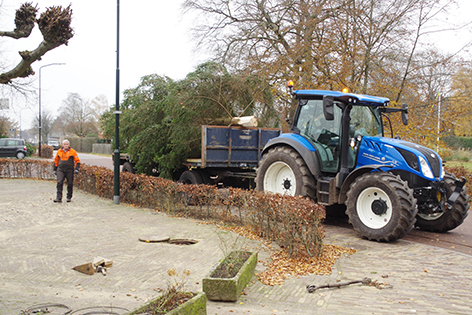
(229, 156)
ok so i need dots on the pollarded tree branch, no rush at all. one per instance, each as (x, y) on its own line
(54, 24)
(24, 21)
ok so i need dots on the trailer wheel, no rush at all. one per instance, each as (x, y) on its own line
(127, 167)
(205, 177)
(451, 218)
(381, 206)
(191, 177)
(282, 170)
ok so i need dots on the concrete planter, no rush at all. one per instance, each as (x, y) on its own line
(194, 306)
(229, 289)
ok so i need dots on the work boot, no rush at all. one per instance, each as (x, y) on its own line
(57, 200)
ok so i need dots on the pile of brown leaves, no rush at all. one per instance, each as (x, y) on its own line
(282, 267)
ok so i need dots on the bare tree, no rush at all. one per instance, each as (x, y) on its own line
(5, 125)
(47, 123)
(99, 105)
(319, 43)
(54, 25)
(77, 116)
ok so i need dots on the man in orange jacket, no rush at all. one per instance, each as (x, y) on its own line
(66, 163)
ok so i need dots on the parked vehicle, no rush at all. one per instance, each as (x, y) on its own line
(10, 147)
(229, 156)
(54, 143)
(336, 153)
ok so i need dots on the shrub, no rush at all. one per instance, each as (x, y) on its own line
(457, 142)
(30, 149)
(46, 151)
(459, 155)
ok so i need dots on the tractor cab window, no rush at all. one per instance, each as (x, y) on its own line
(323, 134)
(365, 121)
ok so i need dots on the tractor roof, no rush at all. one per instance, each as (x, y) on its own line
(357, 99)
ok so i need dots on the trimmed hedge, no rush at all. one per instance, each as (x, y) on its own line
(458, 142)
(292, 222)
(26, 168)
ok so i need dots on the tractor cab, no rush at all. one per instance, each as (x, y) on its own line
(335, 122)
(319, 119)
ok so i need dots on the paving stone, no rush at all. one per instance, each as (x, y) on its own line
(40, 242)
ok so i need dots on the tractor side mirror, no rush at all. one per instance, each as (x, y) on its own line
(405, 114)
(328, 107)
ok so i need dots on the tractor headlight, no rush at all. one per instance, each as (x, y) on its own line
(425, 169)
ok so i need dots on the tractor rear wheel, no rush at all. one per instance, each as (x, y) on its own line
(381, 206)
(450, 218)
(282, 170)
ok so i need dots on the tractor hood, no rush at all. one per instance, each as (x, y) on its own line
(400, 155)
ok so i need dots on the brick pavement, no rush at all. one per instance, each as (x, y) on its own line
(40, 242)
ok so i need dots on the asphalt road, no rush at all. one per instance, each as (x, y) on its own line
(459, 239)
(98, 160)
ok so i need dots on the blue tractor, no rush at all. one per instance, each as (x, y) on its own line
(336, 154)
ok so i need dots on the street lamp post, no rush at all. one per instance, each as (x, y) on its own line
(116, 172)
(39, 98)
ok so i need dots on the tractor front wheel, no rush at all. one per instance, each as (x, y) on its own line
(450, 218)
(381, 206)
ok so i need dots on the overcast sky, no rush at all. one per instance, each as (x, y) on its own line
(154, 38)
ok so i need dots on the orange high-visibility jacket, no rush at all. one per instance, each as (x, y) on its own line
(66, 160)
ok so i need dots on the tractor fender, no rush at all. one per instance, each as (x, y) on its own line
(352, 177)
(305, 149)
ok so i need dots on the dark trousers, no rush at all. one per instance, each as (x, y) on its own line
(60, 183)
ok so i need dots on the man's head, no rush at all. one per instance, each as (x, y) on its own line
(66, 144)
